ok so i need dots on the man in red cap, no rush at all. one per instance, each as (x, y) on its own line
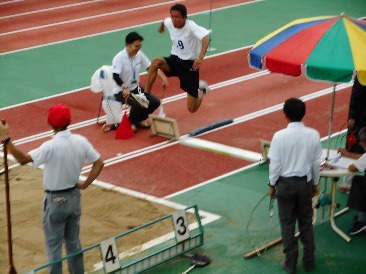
(63, 157)
(59, 116)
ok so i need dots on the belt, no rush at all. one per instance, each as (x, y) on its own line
(61, 190)
(293, 178)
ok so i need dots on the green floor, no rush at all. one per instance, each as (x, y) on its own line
(234, 198)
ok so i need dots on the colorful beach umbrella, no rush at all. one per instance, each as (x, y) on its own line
(327, 48)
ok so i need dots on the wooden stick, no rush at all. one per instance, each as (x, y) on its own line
(11, 269)
(255, 252)
(189, 269)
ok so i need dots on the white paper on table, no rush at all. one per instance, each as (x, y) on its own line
(342, 162)
(336, 159)
(332, 154)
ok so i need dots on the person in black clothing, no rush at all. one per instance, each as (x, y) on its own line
(356, 121)
(356, 115)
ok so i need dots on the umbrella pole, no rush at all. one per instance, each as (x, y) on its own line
(11, 269)
(210, 48)
(330, 121)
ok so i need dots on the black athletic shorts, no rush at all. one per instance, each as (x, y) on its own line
(183, 69)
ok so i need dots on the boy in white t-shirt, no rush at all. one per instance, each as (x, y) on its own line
(190, 43)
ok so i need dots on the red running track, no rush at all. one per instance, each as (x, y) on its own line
(82, 20)
(176, 167)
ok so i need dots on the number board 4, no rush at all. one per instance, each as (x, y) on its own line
(110, 255)
(180, 225)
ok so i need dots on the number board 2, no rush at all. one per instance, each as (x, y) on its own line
(180, 225)
(110, 255)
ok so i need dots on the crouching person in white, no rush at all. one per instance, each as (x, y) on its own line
(102, 81)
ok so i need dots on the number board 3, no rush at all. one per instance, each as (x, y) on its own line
(180, 225)
(110, 255)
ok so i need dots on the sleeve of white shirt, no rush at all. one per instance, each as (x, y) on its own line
(199, 31)
(316, 163)
(91, 154)
(41, 154)
(360, 164)
(117, 64)
(168, 22)
(275, 163)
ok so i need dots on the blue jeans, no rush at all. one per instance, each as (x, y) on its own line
(61, 222)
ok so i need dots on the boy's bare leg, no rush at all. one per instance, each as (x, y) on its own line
(156, 64)
(194, 103)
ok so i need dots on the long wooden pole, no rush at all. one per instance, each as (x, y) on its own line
(331, 121)
(11, 269)
(257, 251)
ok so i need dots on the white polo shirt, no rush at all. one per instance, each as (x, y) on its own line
(129, 68)
(295, 151)
(187, 41)
(63, 158)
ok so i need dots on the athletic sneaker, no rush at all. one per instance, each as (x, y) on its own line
(357, 228)
(141, 99)
(143, 124)
(203, 86)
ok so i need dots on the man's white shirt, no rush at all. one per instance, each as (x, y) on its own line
(360, 164)
(187, 41)
(63, 157)
(295, 151)
(129, 69)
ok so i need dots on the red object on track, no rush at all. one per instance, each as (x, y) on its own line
(124, 131)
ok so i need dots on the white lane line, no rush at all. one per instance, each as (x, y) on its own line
(49, 9)
(210, 181)
(11, 2)
(235, 152)
(9, 167)
(84, 18)
(44, 98)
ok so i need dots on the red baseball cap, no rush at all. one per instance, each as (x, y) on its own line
(59, 116)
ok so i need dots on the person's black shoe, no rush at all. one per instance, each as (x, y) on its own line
(309, 268)
(287, 269)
